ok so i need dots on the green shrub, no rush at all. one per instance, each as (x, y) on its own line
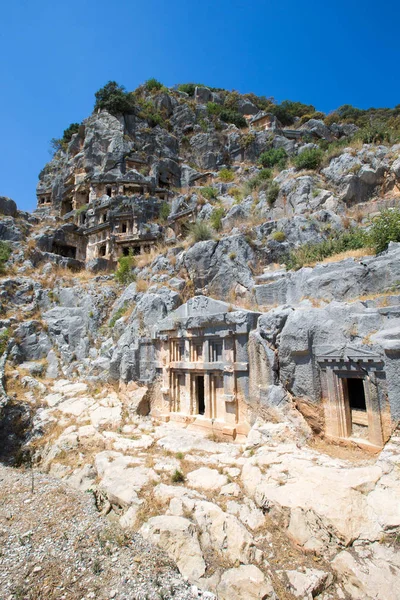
(226, 175)
(310, 158)
(376, 132)
(226, 114)
(165, 210)
(201, 231)
(231, 116)
(353, 239)
(214, 109)
(114, 98)
(62, 143)
(149, 113)
(231, 101)
(246, 140)
(216, 218)
(5, 253)
(272, 157)
(385, 228)
(177, 477)
(287, 111)
(316, 115)
(189, 88)
(258, 182)
(272, 192)
(153, 84)
(278, 236)
(120, 313)
(232, 255)
(4, 337)
(124, 273)
(209, 193)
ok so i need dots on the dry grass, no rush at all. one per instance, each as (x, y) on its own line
(359, 253)
(142, 285)
(67, 276)
(148, 257)
(349, 254)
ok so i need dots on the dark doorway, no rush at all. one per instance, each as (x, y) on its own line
(66, 207)
(103, 250)
(200, 394)
(356, 395)
(64, 250)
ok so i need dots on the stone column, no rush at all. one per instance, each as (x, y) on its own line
(337, 419)
(207, 396)
(375, 435)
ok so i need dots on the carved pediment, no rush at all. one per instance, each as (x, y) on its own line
(347, 353)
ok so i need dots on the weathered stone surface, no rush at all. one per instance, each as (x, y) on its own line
(7, 207)
(119, 480)
(206, 479)
(309, 583)
(178, 538)
(246, 581)
(369, 573)
(224, 531)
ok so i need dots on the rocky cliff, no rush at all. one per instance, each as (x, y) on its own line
(289, 215)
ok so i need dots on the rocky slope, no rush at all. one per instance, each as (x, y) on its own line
(285, 515)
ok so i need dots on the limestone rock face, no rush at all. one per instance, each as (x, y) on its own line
(206, 479)
(221, 530)
(220, 266)
(178, 538)
(7, 207)
(119, 480)
(369, 573)
(246, 581)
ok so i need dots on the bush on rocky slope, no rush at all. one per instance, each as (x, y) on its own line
(338, 242)
(274, 157)
(114, 98)
(385, 229)
(310, 158)
(5, 252)
(124, 273)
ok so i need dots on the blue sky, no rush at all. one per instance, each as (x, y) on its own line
(55, 55)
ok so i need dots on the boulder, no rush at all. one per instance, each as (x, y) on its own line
(206, 479)
(177, 536)
(369, 573)
(245, 582)
(8, 207)
(309, 583)
(225, 532)
(120, 480)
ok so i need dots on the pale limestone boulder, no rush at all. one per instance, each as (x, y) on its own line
(123, 444)
(308, 584)
(206, 479)
(175, 439)
(225, 532)
(178, 538)
(120, 479)
(231, 489)
(105, 415)
(371, 573)
(251, 478)
(129, 519)
(246, 582)
(75, 406)
(247, 512)
(333, 494)
(82, 479)
(68, 388)
(53, 399)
